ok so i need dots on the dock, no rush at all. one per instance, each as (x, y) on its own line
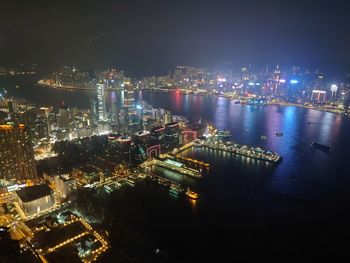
(244, 150)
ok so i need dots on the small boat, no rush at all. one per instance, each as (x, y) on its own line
(279, 134)
(263, 137)
(320, 146)
(191, 194)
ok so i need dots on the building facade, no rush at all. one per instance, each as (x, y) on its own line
(35, 199)
(101, 103)
(16, 153)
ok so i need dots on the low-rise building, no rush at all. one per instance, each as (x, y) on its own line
(35, 199)
(65, 185)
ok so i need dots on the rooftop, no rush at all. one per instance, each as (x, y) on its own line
(31, 193)
(88, 169)
(59, 234)
(157, 129)
(172, 124)
(142, 133)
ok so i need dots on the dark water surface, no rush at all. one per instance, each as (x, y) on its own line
(25, 87)
(248, 210)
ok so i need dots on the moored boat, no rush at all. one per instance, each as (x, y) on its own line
(320, 146)
(191, 194)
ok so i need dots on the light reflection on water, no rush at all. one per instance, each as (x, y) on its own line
(304, 171)
(174, 176)
(241, 197)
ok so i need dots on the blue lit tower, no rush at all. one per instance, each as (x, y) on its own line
(129, 118)
(101, 103)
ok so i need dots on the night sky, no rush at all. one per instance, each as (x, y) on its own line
(151, 37)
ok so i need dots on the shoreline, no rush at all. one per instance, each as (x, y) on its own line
(284, 104)
(63, 87)
(74, 88)
(71, 88)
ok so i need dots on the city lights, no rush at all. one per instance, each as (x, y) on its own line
(174, 131)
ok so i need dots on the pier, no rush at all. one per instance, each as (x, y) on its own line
(244, 150)
(189, 161)
(176, 166)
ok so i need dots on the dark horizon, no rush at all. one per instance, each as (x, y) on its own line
(152, 38)
(221, 164)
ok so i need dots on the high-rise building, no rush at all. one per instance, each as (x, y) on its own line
(171, 135)
(129, 97)
(93, 112)
(12, 107)
(101, 103)
(334, 89)
(168, 117)
(318, 95)
(29, 117)
(180, 73)
(51, 121)
(134, 124)
(141, 141)
(65, 185)
(119, 147)
(40, 130)
(16, 153)
(276, 80)
(157, 135)
(64, 118)
(124, 147)
(3, 116)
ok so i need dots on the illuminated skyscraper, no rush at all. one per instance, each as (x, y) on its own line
(334, 89)
(129, 97)
(11, 106)
(171, 135)
(16, 153)
(93, 112)
(101, 102)
(276, 80)
(141, 143)
(40, 130)
(63, 117)
(318, 95)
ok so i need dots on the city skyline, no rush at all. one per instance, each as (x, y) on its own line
(174, 131)
(144, 140)
(126, 34)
